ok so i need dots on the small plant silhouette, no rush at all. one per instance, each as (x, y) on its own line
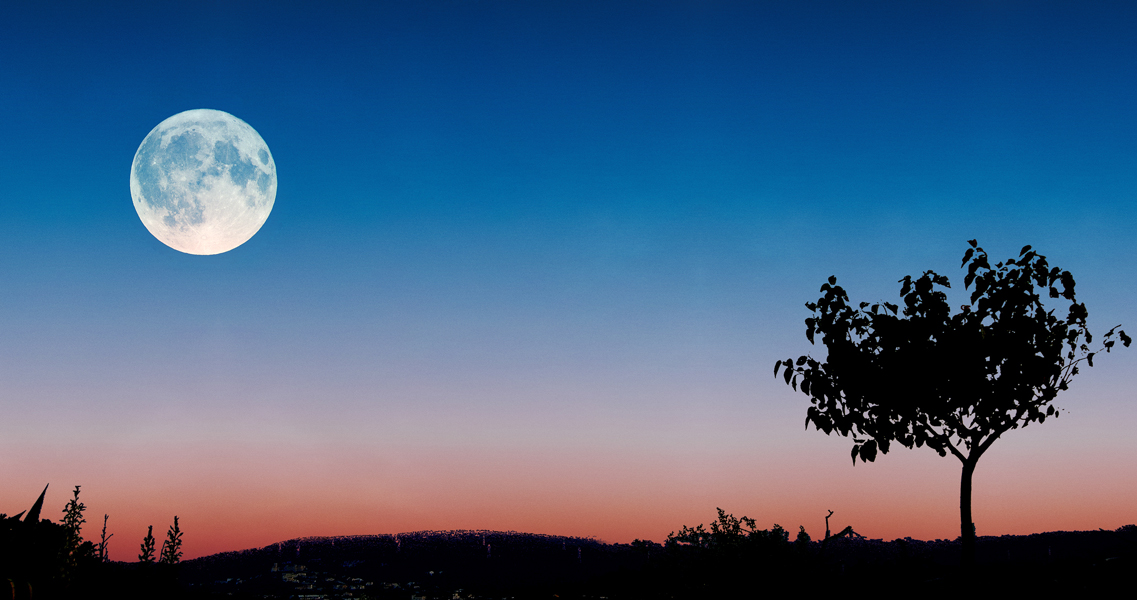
(147, 554)
(73, 524)
(103, 556)
(172, 547)
(726, 532)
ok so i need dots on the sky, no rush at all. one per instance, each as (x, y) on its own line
(531, 264)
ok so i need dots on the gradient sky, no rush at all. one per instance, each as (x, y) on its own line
(531, 263)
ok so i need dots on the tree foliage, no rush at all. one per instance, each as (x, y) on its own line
(919, 375)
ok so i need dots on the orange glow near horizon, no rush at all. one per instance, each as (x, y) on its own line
(238, 496)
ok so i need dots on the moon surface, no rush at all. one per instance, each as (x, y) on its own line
(203, 182)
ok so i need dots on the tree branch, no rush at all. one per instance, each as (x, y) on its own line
(990, 440)
(945, 440)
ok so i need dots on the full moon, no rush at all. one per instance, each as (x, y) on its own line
(203, 182)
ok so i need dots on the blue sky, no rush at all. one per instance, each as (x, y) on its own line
(569, 227)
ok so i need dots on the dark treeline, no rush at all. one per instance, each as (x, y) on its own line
(732, 557)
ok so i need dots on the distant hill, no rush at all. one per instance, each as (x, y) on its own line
(484, 560)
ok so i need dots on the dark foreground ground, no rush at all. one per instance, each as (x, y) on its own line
(475, 564)
(486, 564)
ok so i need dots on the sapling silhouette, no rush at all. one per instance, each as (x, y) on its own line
(172, 547)
(147, 553)
(73, 524)
(955, 383)
(103, 555)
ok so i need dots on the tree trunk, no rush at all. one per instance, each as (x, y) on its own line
(966, 526)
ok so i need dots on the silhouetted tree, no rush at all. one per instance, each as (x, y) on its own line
(147, 554)
(73, 524)
(952, 382)
(172, 547)
(103, 554)
(802, 541)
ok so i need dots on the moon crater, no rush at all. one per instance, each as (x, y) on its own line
(203, 182)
